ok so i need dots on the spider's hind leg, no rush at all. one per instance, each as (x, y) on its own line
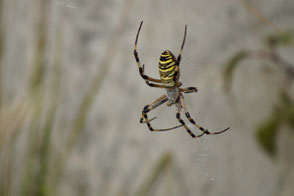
(205, 131)
(178, 115)
(148, 108)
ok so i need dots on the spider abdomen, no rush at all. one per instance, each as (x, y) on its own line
(167, 67)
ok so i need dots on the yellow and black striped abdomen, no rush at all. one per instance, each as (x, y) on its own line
(167, 66)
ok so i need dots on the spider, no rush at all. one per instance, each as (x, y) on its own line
(169, 71)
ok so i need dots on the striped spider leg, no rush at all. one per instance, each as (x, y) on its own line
(147, 79)
(181, 104)
(161, 100)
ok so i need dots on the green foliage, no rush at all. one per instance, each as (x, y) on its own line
(159, 168)
(281, 39)
(283, 114)
(268, 129)
(231, 66)
(266, 134)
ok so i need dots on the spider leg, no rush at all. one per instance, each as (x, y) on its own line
(154, 85)
(144, 121)
(150, 107)
(178, 115)
(189, 90)
(141, 68)
(154, 104)
(180, 55)
(177, 69)
(196, 124)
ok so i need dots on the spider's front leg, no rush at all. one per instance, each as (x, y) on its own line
(177, 70)
(147, 79)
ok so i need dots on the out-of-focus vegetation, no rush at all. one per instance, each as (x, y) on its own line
(283, 114)
(35, 167)
(282, 111)
(164, 161)
(32, 161)
(230, 67)
(33, 156)
(279, 39)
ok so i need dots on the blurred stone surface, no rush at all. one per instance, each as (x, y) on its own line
(115, 153)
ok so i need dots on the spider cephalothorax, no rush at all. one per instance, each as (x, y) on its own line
(169, 72)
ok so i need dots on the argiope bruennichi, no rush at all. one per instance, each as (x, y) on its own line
(169, 71)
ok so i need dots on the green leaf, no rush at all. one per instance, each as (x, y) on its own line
(266, 135)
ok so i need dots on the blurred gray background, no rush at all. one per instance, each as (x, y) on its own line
(82, 52)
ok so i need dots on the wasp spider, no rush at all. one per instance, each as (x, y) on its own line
(169, 71)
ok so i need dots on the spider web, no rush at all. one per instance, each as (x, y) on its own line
(201, 156)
